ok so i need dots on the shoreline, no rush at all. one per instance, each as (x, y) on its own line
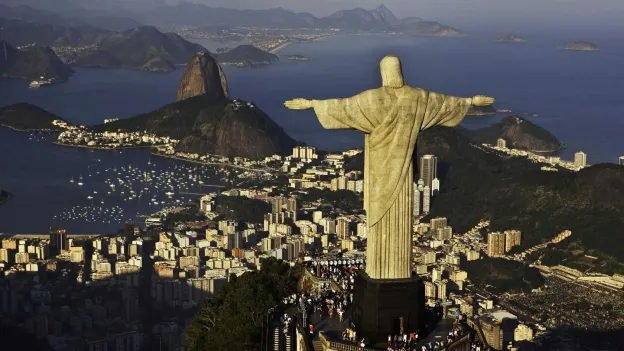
(101, 148)
(207, 163)
(29, 130)
(276, 49)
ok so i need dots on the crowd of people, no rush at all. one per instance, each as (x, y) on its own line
(333, 303)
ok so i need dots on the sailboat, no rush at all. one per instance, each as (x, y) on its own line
(71, 180)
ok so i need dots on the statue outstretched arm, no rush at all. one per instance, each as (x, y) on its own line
(449, 111)
(342, 113)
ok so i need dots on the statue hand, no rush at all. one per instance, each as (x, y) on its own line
(482, 100)
(298, 104)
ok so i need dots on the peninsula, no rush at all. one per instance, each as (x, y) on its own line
(26, 117)
(580, 46)
(519, 133)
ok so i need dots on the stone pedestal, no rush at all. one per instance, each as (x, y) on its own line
(381, 306)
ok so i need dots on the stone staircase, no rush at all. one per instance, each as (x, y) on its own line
(317, 345)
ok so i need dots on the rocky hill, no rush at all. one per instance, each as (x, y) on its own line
(143, 48)
(203, 76)
(32, 63)
(246, 55)
(205, 125)
(515, 194)
(519, 133)
(26, 117)
(206, 121)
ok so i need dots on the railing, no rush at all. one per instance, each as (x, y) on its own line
(318, 280)
(340, 346)
(456, 344)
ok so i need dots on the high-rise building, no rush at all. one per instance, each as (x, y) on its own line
(439, 222)
(435, 186)
(428, 169)
(441, 289)
(277, 203)
(580, 159)
(496, 244)
(417, 196)
(362, 230)
(445, 233)
(501, 143)
(426, 199)
(304, 152)
(291, 204)
(58, 240)
(430, 290)
(621, 160)
(493, 332)
(342, 228)
(512, 238)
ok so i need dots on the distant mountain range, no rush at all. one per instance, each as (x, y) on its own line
(74, 18)
(141, 48)
(197, 15)
(380, 18)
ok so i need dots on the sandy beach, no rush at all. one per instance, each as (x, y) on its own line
(279, 47)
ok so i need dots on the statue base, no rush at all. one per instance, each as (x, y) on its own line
(381, 307)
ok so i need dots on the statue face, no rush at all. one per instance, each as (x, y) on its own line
(391, 73)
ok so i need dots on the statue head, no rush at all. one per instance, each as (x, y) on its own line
(391, 73)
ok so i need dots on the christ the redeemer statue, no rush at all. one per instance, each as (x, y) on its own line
(390, 118)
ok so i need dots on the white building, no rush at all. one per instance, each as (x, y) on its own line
(580, 159)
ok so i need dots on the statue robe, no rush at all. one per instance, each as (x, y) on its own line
(391, 119)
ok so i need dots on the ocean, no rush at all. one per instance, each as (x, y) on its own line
(577, 96)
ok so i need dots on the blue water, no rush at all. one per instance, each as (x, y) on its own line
(577, 96)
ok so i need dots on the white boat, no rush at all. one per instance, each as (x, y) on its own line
(80, 183)
(71, 180)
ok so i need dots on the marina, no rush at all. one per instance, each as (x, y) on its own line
(91, 191)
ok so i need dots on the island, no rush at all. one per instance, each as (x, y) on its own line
(417, 27)
(246, 55)
(297, 58)
(519, 133)
(25, 117)
(36, 63)
(511, 39)
(580, 46)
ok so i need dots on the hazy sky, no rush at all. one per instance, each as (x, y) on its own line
(569, 9)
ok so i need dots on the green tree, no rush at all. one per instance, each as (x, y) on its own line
(234, 317)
